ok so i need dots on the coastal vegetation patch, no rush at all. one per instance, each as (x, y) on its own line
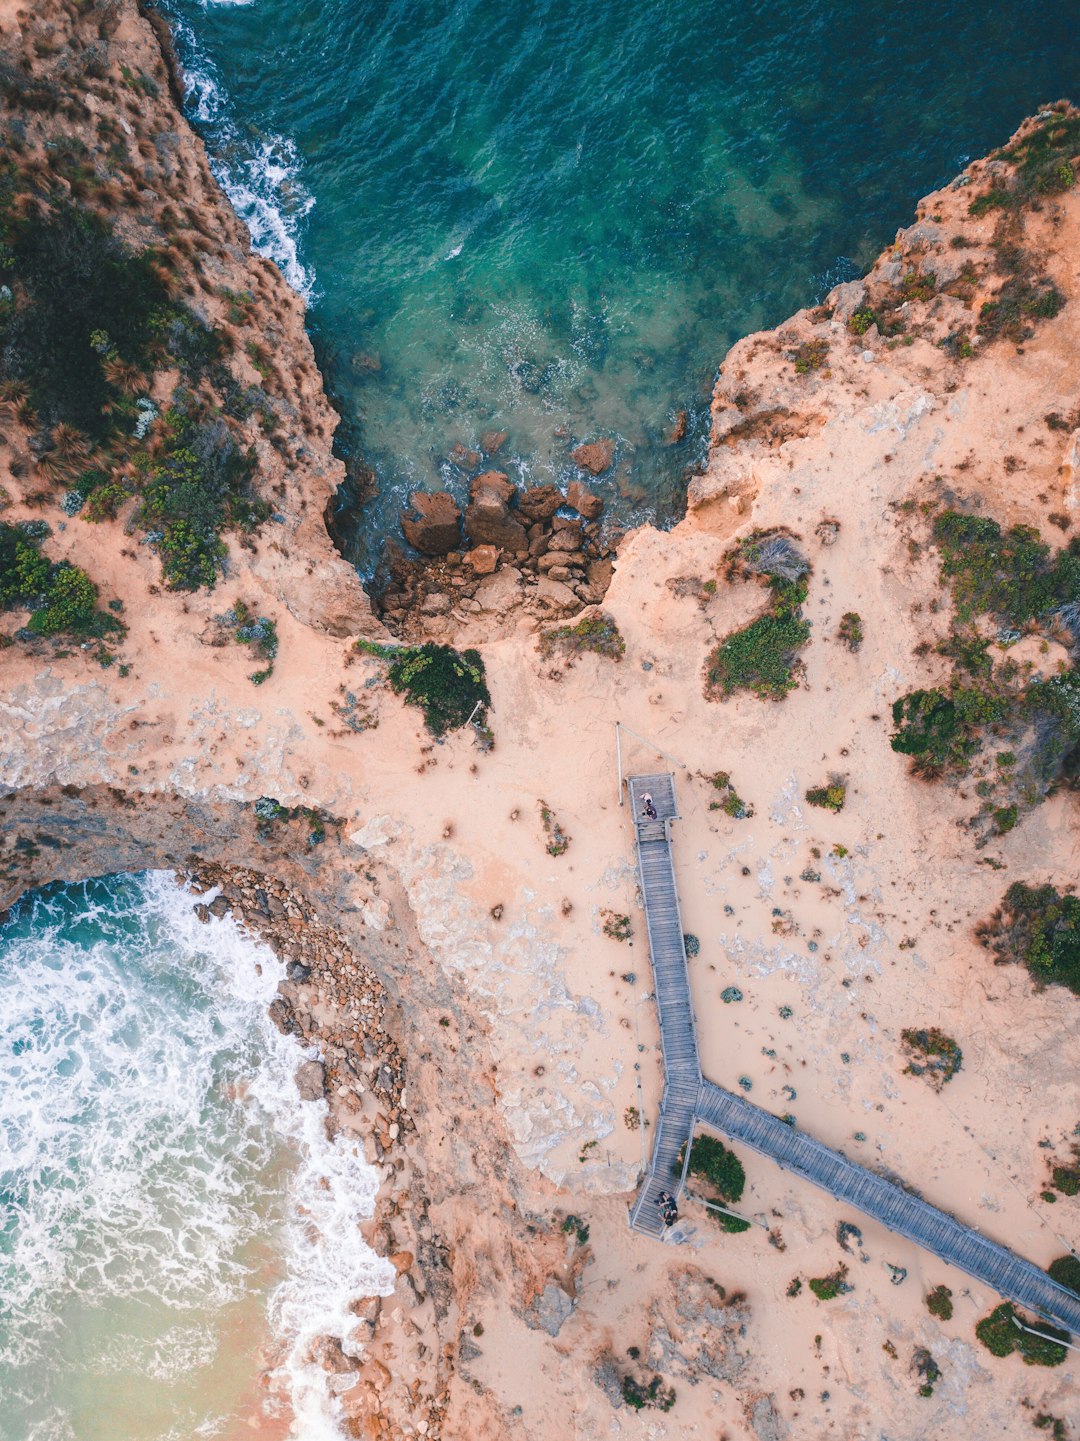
(557, 840)
(763, 656)
(1042, 160)
(61, 598)
(850, 630)
(1039, 928)
(597, 633)
(939, 1303)
(827, 1288)
(1065, 1270)
(829, 797)
(727, 798)
(932, 1054)
(1004, 584)
(722, 1174)
(88, 325)
(1001, 1336)
(449, 686)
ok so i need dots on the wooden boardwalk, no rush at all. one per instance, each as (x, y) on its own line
(689, 1100)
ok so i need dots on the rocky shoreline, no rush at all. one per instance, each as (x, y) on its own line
(331, 1000)
(478, 1027)
(509, 551)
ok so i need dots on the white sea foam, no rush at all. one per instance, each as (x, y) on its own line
(154, 1154)
(259, 172)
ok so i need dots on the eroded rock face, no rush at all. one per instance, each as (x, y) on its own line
(434, 528)
(595, 456)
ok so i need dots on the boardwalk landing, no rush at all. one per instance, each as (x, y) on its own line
(689, 1100)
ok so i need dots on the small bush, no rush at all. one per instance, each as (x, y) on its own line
(713, 1163)
(729, 801)
(447, 685)
(830, 797)
(827, 1288)
(1040, 928)
(1066, 1272)
(934, 1055)
(597, 633)
(927, 1370)
(810, 355)
(850, 630)
(558, 842)
(618, 928)
(1001, 1337)
(939, 1303)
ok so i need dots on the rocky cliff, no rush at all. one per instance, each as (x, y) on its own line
(474, 894)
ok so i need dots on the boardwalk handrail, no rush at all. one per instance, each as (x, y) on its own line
(700, 1101)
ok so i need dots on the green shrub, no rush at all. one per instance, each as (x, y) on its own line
(827, 1288)
(1020, 300)
(1066, 1179)
(199, 489)
(1001, 1337)
(616, 927)
(830, 797)
(927, 1370)
(1007, 574)
(712, 1162)
(934, 1055)
(558, 842)
(939, 1303)
(850, 630)
(810, 355)
(1066, 1272)
(597, 633)
(1040, 928)
(446, 684)
(942, 731)
(70, 604)
(79, 282)
(654, 1393)
(729, 801)
(24, 571)
(61, 597)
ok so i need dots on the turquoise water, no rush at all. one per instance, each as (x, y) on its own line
(175, 1227)
(552, 218)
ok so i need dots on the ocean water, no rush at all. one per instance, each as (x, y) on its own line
(175, 1227)
(552, 217)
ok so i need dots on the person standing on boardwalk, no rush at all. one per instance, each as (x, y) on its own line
(649, 808)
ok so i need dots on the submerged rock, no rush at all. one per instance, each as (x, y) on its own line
(595, 456)
(581, 499)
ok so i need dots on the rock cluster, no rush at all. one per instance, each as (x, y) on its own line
(534, 548)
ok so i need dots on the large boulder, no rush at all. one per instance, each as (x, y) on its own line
(488, 520)
(580, 498)
(435, 525)
(596, 456)
(539, 504)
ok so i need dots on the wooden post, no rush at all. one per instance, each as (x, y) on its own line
(618, 753)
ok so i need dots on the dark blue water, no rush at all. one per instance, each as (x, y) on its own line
(552, 218)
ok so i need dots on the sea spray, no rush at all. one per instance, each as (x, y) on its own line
(168, 1205)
